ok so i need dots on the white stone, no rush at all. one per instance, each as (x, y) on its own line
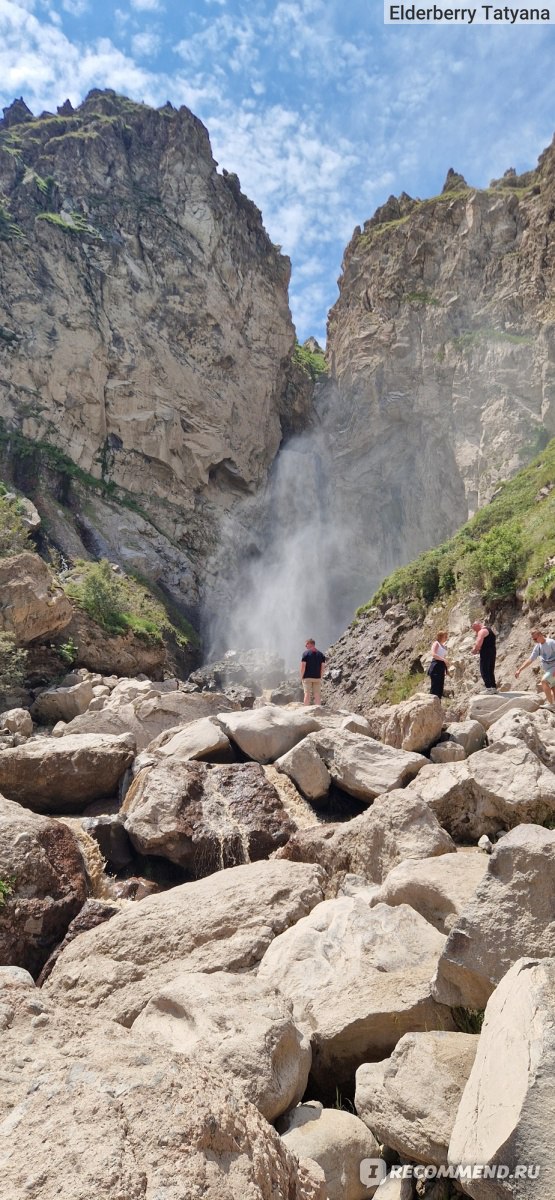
(338, 1141)
(438, 888)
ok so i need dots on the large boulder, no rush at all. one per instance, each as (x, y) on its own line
(202, 739)
(411, 1104)
(536, 730)
(358, 978)
(101, 1112)
(223, 923)
(304, 766)
(238, 1027)
(496, 789)
(490, 708)
(62, 703)
(505, 1116)
(413, 724)
(471, 735)
(33, 606)
(438, 888)
(338, 1141)
(364, 767)
(17, 720)
(146, 717)
(511, 915)
(266, 733)
(57, 775)
(41, 863)
(205, 817)
(396, 827)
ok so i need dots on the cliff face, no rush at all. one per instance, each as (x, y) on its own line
(144, 328)
(442, 352)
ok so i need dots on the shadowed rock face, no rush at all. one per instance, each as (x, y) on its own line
(145, 323)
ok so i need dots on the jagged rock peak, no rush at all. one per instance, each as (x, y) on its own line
(16, 113)
(313, 345)
(454, 181)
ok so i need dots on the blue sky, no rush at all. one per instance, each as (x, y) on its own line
(321, 110)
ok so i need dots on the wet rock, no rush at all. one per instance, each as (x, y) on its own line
(205, 817)
(112, 837)
(134, 888)
(93, 913)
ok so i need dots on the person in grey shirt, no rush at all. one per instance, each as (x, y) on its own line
(544, 651)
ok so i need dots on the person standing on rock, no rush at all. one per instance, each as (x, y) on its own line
(486, 646)
(544, 650)
(312, 669)
(439, 667)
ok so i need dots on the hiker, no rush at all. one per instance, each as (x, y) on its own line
(312, 669)
(439, 667)
(544, 650)
(486, 646)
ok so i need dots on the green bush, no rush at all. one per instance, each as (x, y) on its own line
(310, 361)
(14, 534)
(122, 603)
(6, 888)
(100, 594)
(13, 663)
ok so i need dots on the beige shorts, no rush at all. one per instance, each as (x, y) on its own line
(312, 688)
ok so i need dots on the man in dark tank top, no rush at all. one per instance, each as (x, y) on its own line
(486, 646)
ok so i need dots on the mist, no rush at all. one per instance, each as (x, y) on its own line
(294, 554)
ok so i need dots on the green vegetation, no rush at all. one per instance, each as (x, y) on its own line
(311, 362)
(6, 888)
(367, 237)
(445, 197)
(397, 686)
(120, 603)
(14, 533)
(67, 652)
(77, 223)
(8, 228)
(509, 544)
(421, 298)
(13, 663)
(468, 1020)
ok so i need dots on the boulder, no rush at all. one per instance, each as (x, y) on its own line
(396, 827)
(202, 739)
(490, 708)
(64, 774)
(266, 733)
(239, 1028)
(413, 724)
(536, 730)
(305, 768)
(438, 888)
(17, 720)
(337, 1140)
(205, 817)
(512, 914)
(94, 912)
(113, 840)
(506, 1112)
(62, 704)
(411, 1108)
(471, 735)
(223, 923)
(497, 788)
(42, 864)
(103, 1113)
(146, 718)
(33, 606)
(358, 978)
(446, 752)
(363, 767)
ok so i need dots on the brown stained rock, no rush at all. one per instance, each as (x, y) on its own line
(41, 860)
(205, 817)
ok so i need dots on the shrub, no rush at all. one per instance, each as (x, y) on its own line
(14, 534)
(13, 663)
(6, 888)
(100, 594)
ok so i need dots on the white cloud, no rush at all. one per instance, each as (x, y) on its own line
(76, 8)
(148, 5)
(146, 44)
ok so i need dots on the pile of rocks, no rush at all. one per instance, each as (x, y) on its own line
(299, 958)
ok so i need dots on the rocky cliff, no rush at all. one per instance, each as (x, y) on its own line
(442, 355)
(145, 333)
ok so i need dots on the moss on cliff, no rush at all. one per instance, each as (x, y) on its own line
(508, 545)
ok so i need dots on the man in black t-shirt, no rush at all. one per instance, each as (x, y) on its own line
(312, 668)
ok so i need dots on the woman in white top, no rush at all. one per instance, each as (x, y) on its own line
(439, 667)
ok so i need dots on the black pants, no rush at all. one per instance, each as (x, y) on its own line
(437, 678)
(487, 669)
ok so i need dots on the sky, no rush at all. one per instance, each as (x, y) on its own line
(321, 109)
